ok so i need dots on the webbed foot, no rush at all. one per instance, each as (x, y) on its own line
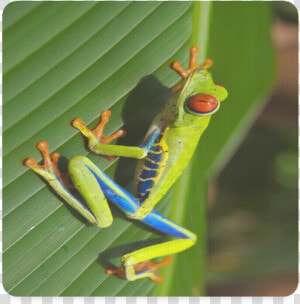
(96, 136)
(192, 66)
(144, 269)
(50, 166)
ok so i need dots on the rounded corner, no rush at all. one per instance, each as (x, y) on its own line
(8, 5)
(293, 289)
(6, 289)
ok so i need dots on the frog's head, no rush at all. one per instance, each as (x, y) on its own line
(199, 96)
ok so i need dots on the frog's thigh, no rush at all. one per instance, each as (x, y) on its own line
(88, 186)
(98, 186)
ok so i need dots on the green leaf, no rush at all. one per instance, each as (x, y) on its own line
(246, 68)
(64, 60)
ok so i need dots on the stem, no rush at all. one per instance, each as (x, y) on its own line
(182, 198)
(201, 18)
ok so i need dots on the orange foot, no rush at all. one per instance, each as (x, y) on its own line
(146, 266)
(192, 66)
(98, 131)
(50, 164)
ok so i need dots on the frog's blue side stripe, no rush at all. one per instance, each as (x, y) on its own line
(155, 156)
(148, 174)
(123, 199)
(150, 165)
(158, 222)
(151, 169)
(145, 186)
(130, 204)
(151, 140)
(155, 149)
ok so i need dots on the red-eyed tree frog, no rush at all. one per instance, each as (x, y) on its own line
(165, 152)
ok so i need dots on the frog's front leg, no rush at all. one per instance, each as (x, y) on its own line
(99, 144)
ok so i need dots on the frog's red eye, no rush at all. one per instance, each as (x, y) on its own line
(203, 104)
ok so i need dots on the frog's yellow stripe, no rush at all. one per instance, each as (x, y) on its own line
(146, 179)
(155, 152)
(149, 169)
(153, 161)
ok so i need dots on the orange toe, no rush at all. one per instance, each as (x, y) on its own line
(192, 66)
(145, 266)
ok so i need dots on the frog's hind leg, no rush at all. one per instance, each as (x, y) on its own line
(87, 177)
(136, 265)
(50, 172)
(140, 257)
(142, 270)
(120, 197)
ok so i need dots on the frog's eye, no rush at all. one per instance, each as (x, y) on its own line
(203, 104)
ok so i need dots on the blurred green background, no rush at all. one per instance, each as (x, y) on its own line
(63, 60)
(253, 219)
